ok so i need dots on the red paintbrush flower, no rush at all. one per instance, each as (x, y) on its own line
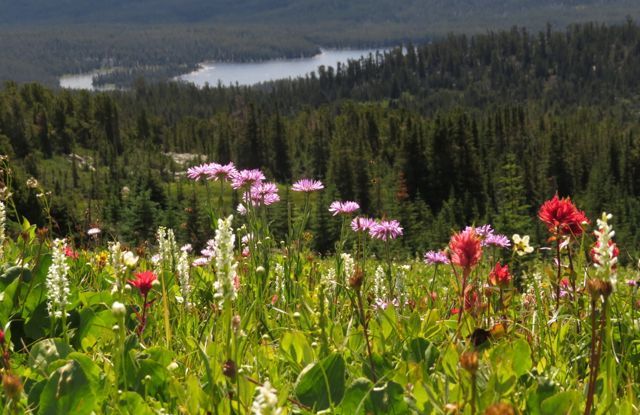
(70, 253)
(562, 217)
(500, 275)
(144, 282)
(466, 249)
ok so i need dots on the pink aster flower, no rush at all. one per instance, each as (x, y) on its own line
(362, 224)
(200, 262)
(262, 194)
(246, 178)
(436, 257)
(307, 186)
(501, 241)
(210, 250)
(198, 172)
(343, 208)
(221, 171)
(386, 229)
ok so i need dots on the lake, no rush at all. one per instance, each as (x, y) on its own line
(244, 73)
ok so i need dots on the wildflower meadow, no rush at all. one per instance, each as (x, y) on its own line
(255, 322)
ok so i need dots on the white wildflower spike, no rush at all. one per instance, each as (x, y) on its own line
(182, 270)
(379, 278)
(348, 267)
(3, 224)
(57, 283)
(329, 279)
(278, 270)
(166, 248)
(266, 401)
(605, 251)
(224, 259)
(117, 264)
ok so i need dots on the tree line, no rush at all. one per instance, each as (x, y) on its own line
(465, 130)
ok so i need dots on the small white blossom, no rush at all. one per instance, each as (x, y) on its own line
(130, 259)
(266, 401)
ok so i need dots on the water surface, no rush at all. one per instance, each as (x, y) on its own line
(250, 73)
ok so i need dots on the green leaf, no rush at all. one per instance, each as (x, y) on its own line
(388, 400)
(355, 396)
(37, 292)
(567, 403)
(13, 273)
(522, 362)
(131, 403)
(68, 391)
(95, 326)
(414, 350)
(296, 345)
(46, 352)
(38, 322)
(321, 385)
(450, 363)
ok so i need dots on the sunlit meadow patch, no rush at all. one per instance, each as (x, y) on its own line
(256, 322)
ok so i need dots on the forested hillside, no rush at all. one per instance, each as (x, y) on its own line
(295, 11)
(467, 129)
(43, 39)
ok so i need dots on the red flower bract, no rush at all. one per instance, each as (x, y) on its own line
(562, 217)
(144, 281)
(500, 275)
(466, 249)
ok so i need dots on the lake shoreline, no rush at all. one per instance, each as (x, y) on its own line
(236, 73)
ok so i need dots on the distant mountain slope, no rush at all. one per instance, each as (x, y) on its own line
(296, 11)
(43, 39)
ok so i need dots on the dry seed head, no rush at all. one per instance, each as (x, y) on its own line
(469, 362)
(12, 386)
(500, 409)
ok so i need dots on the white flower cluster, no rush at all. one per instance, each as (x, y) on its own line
(278, 270)
(225, 261)
(329, 279)
(379, 281)
(605, 251)
(57, 283)
(401, 276)
(348, 267)
(3, 224)
(182, 269)
(266, 401)
(166, 248)
(115, 258)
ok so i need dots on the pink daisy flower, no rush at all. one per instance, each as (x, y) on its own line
(307, 186)
(386, 229)
(362, 224)
(343, 208)
(246, 178)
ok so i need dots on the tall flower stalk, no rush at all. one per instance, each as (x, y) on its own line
(3, 225)
(466, 251)
(305, 186)
(57, 285)
(167, 262)
(564, 222)
(226, 264)
(600, 286)
(387, 230)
